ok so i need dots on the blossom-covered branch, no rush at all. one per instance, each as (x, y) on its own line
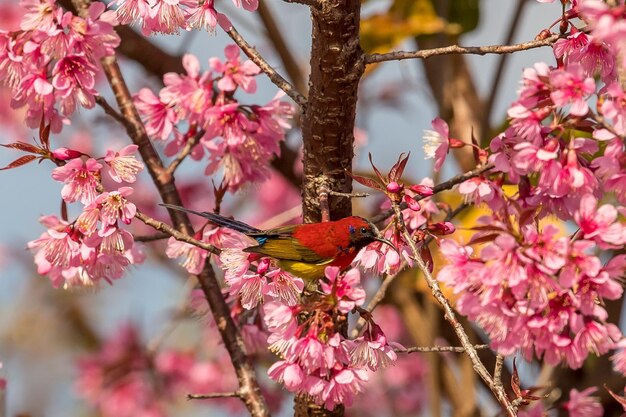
(456, 49)
(450, 316)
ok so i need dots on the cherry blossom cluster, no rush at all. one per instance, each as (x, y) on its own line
(124, 379)
(539, 293)
(557, 148)
(238, 139)
(95, 246)
(167, 16)
(52, 62)
(316, 358)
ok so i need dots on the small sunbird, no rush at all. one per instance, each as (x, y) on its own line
(305, 250)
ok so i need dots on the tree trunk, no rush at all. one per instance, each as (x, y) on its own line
(328, 124)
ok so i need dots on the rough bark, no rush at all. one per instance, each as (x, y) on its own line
(328, 120)
(328, 124)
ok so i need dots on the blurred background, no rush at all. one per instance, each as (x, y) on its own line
(44, 330)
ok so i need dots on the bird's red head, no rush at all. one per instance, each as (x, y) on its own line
(361, 232)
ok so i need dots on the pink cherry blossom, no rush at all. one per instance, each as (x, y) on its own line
(234, 72)
(114, 206)
(571, 86)
(123, 166)
(600, 223)
(582, 404)
(204, 16)
(158, 116)
(372, 349)
(346, 288)
(81, 179)
(74, 78)
(437, 142)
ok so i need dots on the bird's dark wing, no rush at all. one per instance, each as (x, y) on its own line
(286, 248)
(218, 220)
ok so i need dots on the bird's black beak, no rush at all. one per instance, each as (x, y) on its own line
(379, 238)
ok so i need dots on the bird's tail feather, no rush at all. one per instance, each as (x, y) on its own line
(217, 219)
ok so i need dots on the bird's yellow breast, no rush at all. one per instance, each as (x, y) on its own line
(306, 271)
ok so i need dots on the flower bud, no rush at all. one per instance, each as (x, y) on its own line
(423, 190)
(412, 203)
(64, 154)
(393, 187)
(441, 228)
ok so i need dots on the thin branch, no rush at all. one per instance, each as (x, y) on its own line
(446, 185)
(497, 371)
(456, 49)
(311, 3)
(450, 316)
(493, 90)
(235, 394)
(187, 149)
(108, 109)
(348, 195)
(274, 76)
(323, 200)
(169, 230)
(455, 349)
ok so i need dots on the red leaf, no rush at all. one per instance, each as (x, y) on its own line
(398, 169)
(515, 382)
(26, 147)
(368, 182)
(378, 174)
(64, 210)
(44, 134)
(483, 238)
(427, 257)
(19, 162)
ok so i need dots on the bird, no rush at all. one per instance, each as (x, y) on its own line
(304, 250)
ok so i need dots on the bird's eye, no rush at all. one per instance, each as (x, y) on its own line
(363, 230)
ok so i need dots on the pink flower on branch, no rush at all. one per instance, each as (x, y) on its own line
(234, 72)
(123, 166)
(81, 179)
(572, 86)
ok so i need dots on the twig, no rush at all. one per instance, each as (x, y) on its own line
(455, 349)
(108, 109)
(497, 371)
(169, 230)
(151, 238)
(456, 49)
(446, 185)
(493, 90)
(450, 316)
(311, 3)
(348, 195)
(324, 207)
(191, 143)
(274, 76)
(235, 394)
